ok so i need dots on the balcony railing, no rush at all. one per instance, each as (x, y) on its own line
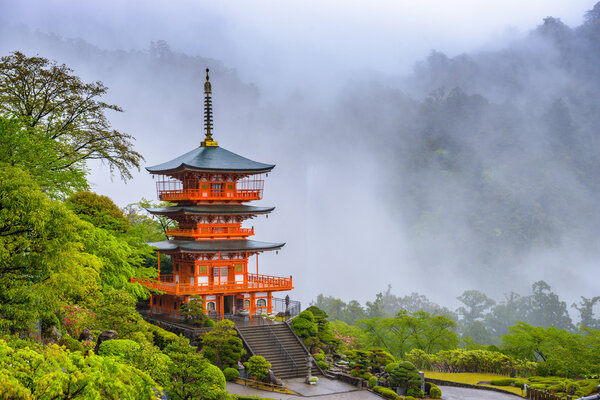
(212, 232)
(255, 283)
(195, 189)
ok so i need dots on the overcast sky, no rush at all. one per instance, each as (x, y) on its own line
(279, 43)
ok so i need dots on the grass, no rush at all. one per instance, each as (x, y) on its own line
(473, 379)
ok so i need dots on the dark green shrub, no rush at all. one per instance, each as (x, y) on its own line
(209, 322)
(231, 374)
(502, 381)
(415, 392)
(257, 366)
(372, 381)
(390, 367)
(404, 373)
(519, 383)
(160, 337)
(380, 357)
(435, 392)
(386, 392)
(323, 365)
(304, 324)
(72, 344)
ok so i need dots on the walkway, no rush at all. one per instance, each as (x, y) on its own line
(456, 393)
(325, 389)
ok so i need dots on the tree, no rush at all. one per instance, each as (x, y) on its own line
(192, 376)
(66, 110)
(258, 367)
(32, 150)
(546, 309)
(586, 312)
(222, 346)
(193, 310)
(404, 374)
(476, 303)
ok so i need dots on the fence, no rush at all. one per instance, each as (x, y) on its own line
(537, 394)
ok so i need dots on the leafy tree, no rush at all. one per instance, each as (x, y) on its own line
(193, 310)
(304, 324)
(476, 303)
(404, 375)
(27, 148)
(192, 375)
(257, 366)
(586, 312)
(98, 210)
(66, 110)
(546, 309)
(222, 346)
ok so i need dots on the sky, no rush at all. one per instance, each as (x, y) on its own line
(290, 49)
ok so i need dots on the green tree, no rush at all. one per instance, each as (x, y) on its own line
(304, 325)
(27, 148)
(192, 375)
(64, 109)
(193, 310)
(476, 303)
(586, 312)
(222, 346)
(258, 367)
(404, 375)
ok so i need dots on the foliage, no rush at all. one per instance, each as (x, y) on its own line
(258, 367)
(52, 372)
(231, 374)
(123, 348)
(304, 325)
(75, 319)
(117, 312)
(386, 392)
(475, 303)
(415, 392)
(372, 382)
(404, 374)
(192, 375)
(435, 392)
(64, 109)
(222, 346)
(193, 310)
(380, 357)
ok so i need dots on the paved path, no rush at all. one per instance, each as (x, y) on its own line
(456, 393)
(325, 389)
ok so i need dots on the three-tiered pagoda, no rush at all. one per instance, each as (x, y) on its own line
(210, 249)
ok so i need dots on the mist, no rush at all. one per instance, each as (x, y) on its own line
(434, 149)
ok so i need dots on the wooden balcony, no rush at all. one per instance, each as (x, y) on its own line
(216, 231)
(255, 283)
(210, 195)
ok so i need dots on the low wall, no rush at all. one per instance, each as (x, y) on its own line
(469, 386)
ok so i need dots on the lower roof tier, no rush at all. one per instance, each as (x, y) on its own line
(217, 209)
(213, 246)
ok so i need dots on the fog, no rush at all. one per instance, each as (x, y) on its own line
(376, 181)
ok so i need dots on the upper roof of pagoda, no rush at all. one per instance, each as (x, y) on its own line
(213, 246)
(222, 209)
(211, 159)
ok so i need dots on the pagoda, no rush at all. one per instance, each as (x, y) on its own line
(210, 250)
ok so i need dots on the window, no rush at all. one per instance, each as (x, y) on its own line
(246, 303)
(210, 306)
(192, 269)
(202, 269)
(174, 306)
(176, 267)
(239, 268)
(261, 303)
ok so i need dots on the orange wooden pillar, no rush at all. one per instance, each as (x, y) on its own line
(252, 304)
(221, 305)
(151, 304)
(269, 302)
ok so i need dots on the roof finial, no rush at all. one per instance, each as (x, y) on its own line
(208, 123)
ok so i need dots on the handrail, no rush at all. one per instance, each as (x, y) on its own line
(211, 232)
(254, 283)
(283, 348)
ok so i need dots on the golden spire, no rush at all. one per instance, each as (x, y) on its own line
(208, 123)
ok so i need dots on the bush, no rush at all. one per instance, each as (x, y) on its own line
(320, 356)
(415, 392)
(160, 337)
(502, 381)
(435, 392)
(372, 381)
(519, 383)
(123, 348)
(323, 365)
(72, 344)
(304, 324)
(391, 366)
(231, 374)
(386, 392)
(409, 398)
(257, 366)
(209, 322)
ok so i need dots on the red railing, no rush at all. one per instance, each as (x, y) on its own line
(194, 188)
(255, 283)
(215, 231)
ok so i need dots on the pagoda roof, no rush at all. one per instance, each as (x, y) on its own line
(222, 209)
(210, 158)
(212, 246)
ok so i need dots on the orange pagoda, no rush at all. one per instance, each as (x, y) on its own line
(209, 249)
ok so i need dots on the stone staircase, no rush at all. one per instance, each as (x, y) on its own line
(280, 346)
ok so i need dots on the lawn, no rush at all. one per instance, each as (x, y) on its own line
(473, 379)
